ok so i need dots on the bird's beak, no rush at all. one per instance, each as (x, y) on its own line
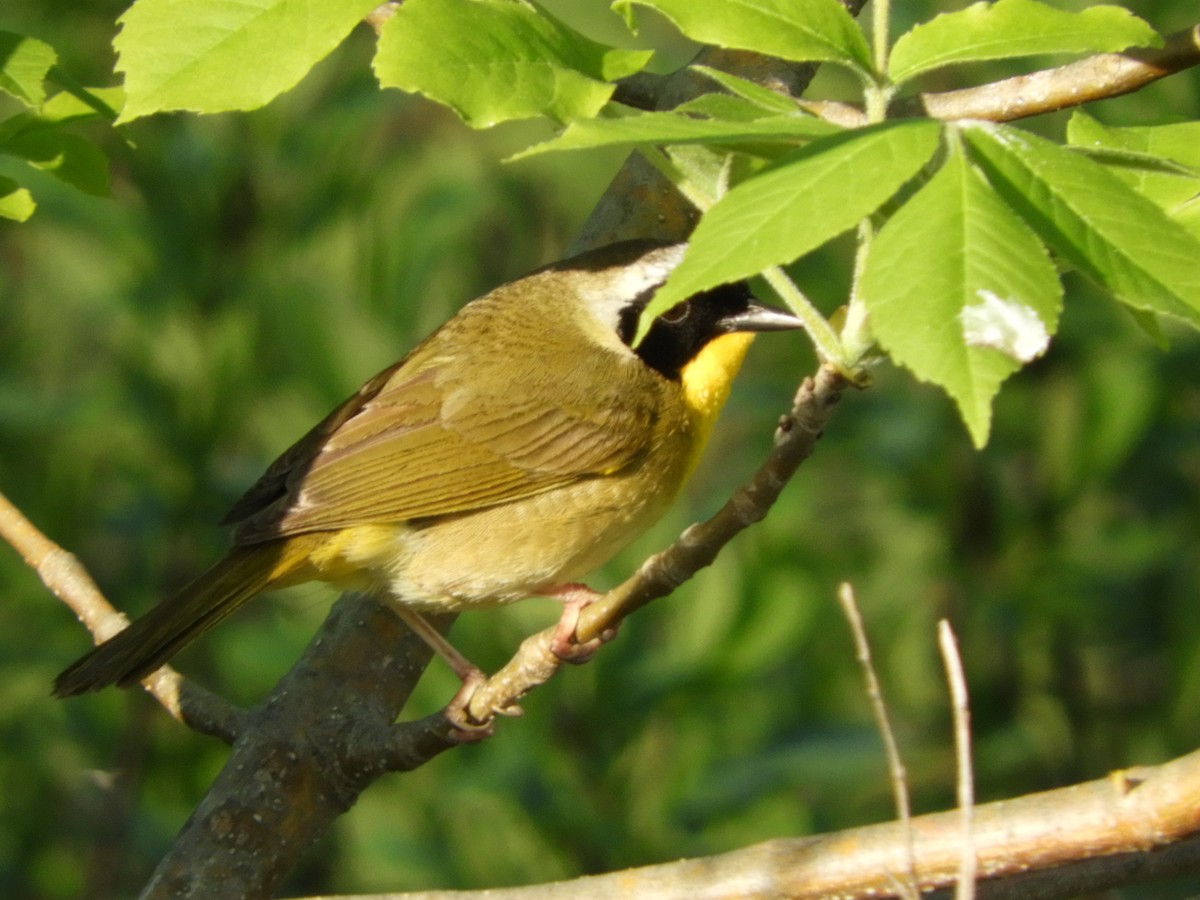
(760, 317)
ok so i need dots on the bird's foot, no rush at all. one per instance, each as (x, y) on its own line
(467, 728)
(565, 643)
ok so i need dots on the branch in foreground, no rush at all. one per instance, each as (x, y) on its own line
(1026, 848)
(66, 578)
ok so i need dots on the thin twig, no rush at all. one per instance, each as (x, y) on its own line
(965, 888)
(898, 773)
(68, 580)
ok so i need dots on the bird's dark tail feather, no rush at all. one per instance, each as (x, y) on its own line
(151, 640)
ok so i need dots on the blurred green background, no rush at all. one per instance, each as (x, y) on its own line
(159, 348)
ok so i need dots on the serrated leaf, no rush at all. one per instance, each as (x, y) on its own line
(1179, 142)
(1094, 220)
(68, 157)
(677, 128)
(980, 297)
(1133, 162)
(16, 203)
(495, 60)
(797, 204)
(24, 64)
(797, 30)
(1162, 162)
(1010, 28)
(217, 55)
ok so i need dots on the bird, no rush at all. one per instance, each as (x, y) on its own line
(510, 453)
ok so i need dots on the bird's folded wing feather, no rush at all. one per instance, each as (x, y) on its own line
(425, 438)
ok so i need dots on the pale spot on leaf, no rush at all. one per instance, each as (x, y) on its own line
(1005, 325)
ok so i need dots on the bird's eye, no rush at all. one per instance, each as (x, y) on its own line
(677, 313)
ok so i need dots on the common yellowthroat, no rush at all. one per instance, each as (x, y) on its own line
(510, 453)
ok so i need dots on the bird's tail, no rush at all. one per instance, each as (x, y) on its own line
(151, 640)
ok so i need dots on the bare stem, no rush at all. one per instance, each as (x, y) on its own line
(898, 773)
(965, 888)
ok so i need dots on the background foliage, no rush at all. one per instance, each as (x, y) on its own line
(158, 348)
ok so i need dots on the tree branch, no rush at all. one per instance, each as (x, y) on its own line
(1098, 77)
(322, 736)
(1134, 825)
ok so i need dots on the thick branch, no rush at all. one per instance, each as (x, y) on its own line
(322, 736)
(1134, 825)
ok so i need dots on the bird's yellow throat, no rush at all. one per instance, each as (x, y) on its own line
(706, 382)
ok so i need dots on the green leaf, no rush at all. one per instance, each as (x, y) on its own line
(1009, 28)
(722, 106)
(1094, 220)
(68, 157)
(1188, 215)
(799, 203)
(797, 30)
(24, 64)
(980, 297)
(217, 55)
(760, 96)
(82, 105)
(494, 60)
(16, 202)
(1161, 162)
(677, 128)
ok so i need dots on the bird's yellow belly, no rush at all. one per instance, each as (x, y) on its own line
(498, 555)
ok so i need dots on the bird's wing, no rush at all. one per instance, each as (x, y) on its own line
(435, 435)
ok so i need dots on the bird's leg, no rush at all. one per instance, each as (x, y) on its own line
(419, 625)
(457, 711)
(565, 643)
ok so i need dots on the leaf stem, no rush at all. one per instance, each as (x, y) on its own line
(879, 92)
(57, 75)
(857, 341)
(880, 28)
(826, 340)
